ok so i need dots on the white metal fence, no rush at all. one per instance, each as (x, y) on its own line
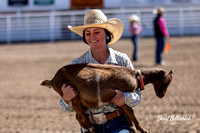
(52, 26)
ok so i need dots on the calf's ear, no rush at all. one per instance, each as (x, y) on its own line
(168, 77)
(171, 72)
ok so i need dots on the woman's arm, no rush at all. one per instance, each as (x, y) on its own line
(133, 99)
(163, 27)
(129, 98)
(68, 94)
(66, 106)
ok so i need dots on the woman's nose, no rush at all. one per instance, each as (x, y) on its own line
(93, 37)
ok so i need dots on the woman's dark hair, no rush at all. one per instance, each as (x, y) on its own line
(108, 36)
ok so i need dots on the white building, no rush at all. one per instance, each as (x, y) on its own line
(47, 5)
(38, 20)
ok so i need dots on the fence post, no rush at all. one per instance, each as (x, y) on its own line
(72, 22)
(27, 27)
(181, 32)
(52, 26)
(8, 28)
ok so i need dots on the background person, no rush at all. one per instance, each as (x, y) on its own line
(98, 33)
(135, 30)
(161, 34)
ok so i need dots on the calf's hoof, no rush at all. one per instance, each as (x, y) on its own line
(132, 129)
(88, 131)
(145, 131)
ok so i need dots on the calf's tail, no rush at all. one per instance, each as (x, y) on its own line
(46, 83)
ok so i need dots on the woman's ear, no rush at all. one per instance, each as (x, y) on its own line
(108, 36)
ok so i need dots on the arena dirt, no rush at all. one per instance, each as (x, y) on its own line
(27, 107)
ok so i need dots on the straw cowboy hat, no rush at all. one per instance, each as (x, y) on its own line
(96, 18)
(134, 17)
(160, 10)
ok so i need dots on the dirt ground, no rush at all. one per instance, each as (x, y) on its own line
(27, 107)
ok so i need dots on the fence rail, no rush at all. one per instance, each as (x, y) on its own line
(52, 26)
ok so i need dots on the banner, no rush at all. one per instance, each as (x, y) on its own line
(43, 2)
(17, 2)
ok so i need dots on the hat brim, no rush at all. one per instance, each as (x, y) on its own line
(114, 26)
(134, 19)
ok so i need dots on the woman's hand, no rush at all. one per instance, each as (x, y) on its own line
(119, 98)
(68, 92)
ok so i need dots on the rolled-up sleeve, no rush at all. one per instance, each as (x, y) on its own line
(133, 99)
(66, 106)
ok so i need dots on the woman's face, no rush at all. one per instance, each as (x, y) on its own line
(95, 37)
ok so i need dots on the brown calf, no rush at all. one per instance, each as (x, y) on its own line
(94, 83)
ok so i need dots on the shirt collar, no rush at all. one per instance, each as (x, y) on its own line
(111, 59)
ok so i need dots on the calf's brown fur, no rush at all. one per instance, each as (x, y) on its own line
(86, 78)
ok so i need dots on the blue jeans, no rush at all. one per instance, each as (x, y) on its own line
(135, 40)
(117, 125)
(160, 44)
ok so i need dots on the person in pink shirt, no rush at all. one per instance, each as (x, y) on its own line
(135, 30)
(161, 34)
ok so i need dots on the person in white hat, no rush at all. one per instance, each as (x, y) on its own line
(161, 34)
(135, 31)
(98, 33)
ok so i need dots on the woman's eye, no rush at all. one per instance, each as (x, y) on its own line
(87, 34)
(97, 32)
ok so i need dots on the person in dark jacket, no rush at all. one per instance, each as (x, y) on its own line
(161, 34)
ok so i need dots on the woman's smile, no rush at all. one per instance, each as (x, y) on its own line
(94, 41)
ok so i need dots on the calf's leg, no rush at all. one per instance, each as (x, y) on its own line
(82, 118)
(131, 117)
